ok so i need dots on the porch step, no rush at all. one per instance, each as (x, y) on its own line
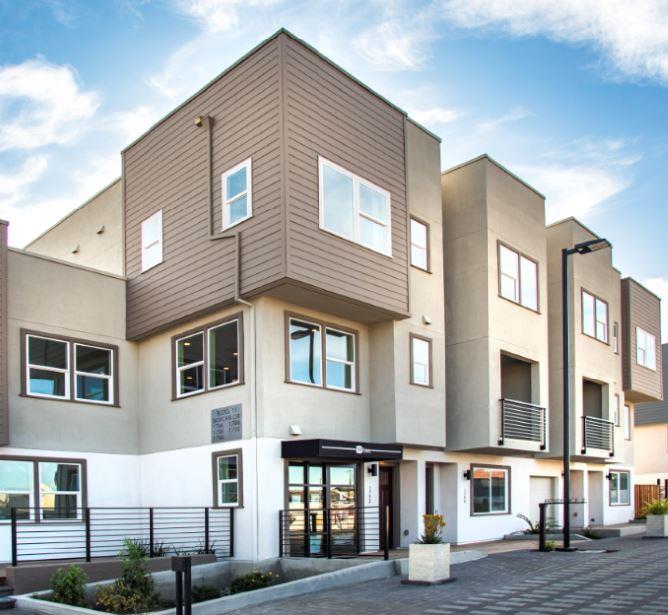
(632, 529)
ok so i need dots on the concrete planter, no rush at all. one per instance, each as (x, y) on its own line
(657, 526)
(428, 563)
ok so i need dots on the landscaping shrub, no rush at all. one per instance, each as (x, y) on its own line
(433, 524)
(590, 533)
(550, 545)
(68, 586)
(202, 593)
(657, 507)
(253, 580)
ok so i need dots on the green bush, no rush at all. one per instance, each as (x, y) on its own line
(252, 580)
(202, 593)
(657, 507)
(135, 591)
(550, 545)
(590, 533)
(68, 586)
(433, 524)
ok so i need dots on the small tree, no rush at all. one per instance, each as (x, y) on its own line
(433, 524)
(68, 585)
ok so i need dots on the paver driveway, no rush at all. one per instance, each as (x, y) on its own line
(631, 580)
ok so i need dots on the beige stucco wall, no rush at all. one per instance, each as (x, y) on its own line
(99, 250)
(651, 451)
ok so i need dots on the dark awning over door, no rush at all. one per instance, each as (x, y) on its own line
(340, 449)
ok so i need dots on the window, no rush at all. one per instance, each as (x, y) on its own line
(308, 345)
(615, 337)
(620, 488)
(617, 413)
(354, 208)
(420, 351)
(228, 478)
(48, 369)
(209, 358)
(518, 278)
(60, 490)
(645, 349)
(151, 241)
(237, 194)
(490, 490)
(594, 317)
(93, 374)
(16, 488)
(419, 244)
(627, 422)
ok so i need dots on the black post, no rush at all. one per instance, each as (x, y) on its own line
(231, 531)
(280, 533)
(307, 532)
(206, 530)
(178, 594)
(386, 532)
(151, 551)
(87, 520)
(358, 516)
(567, 404)
(541, 521)
(187, 587)
(665, 489)
(15, 555)
(328, 534)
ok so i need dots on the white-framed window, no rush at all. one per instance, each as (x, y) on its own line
(237, 194)
(620, 488)
(16, 488)
(354, 208)
(223, 357)
(48, 367)
(228, 474)
(594, 317)
(59, 490)
(645, 349)
(617, 411)
(190, 364)
(628, 425)
(518, 278)
(419, 244)
(93, 374)
(151, 241)
(340, 359)
(491, 490)
(420, 351)
(615, 337)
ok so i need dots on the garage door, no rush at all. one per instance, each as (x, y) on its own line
(541, 488)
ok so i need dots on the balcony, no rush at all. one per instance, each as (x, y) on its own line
(523, 421)
(599, 434)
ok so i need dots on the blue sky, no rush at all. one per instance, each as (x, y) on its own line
(572, 95)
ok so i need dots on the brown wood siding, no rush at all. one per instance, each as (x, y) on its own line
(4, 396)
(167, 169)
(330, 115)
(640, 308)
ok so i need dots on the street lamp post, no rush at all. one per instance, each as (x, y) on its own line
(585, 247)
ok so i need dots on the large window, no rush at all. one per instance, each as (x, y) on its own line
(420, 358)
(16, 488)
(594, 317)
(209, 358)
(47, 369)
(491, 490)
(151, 241)
(228, 478)
(237, 194)
(620, 488)
(518, 277)
(307, 345)
(419, 244)
(60, 490)
(354, 208)
(645, 349)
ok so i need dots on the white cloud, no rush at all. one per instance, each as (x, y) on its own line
(130, 124)
(219, 15)
(14, 185)
(514, 115)
(42, 104)
(659, 286)
(631, 37)
(435, 116)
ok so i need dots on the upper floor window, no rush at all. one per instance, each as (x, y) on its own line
(237, 194)
(307, 345)
(518, 277)
(627, 422)
(645, 349)
(419, 244)
(617, 411)
(620, 488)
(594, 317)
(354, 208)
(420, 351)
(151, 241)
(491, 490)
(47, 369)
(209, 358)
(615, 337)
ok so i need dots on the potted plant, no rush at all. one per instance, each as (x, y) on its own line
(657, 519)
(429, 557)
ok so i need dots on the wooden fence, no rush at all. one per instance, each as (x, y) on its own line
(644, 495)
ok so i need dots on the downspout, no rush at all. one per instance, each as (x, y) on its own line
(207, 122)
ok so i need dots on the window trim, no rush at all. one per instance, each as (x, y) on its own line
(618, 502)
(520, 256)
(66, 372)
(288, 316)
(248, 165)
(646, 333)
(36, 509)
(356, 179)
(413, 336)
(30, 492)
(110, 377)
(596, 298)
(78, 493)
(427, 227)
(204, 330)
(240, 477)
(114, 389)
(489, 466)
(160, 241)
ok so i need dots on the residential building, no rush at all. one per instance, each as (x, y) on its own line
(284, 307)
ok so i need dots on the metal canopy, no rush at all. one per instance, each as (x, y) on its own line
(340, 449)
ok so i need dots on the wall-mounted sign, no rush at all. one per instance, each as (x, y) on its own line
(226, 424)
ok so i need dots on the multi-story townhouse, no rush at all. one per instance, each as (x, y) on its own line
(265, 327)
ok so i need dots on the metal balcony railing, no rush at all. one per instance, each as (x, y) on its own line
(523, 421)
(598, 433)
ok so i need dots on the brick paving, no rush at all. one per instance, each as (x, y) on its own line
(632, 580)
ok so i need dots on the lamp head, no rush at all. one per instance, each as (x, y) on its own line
(593, 245)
